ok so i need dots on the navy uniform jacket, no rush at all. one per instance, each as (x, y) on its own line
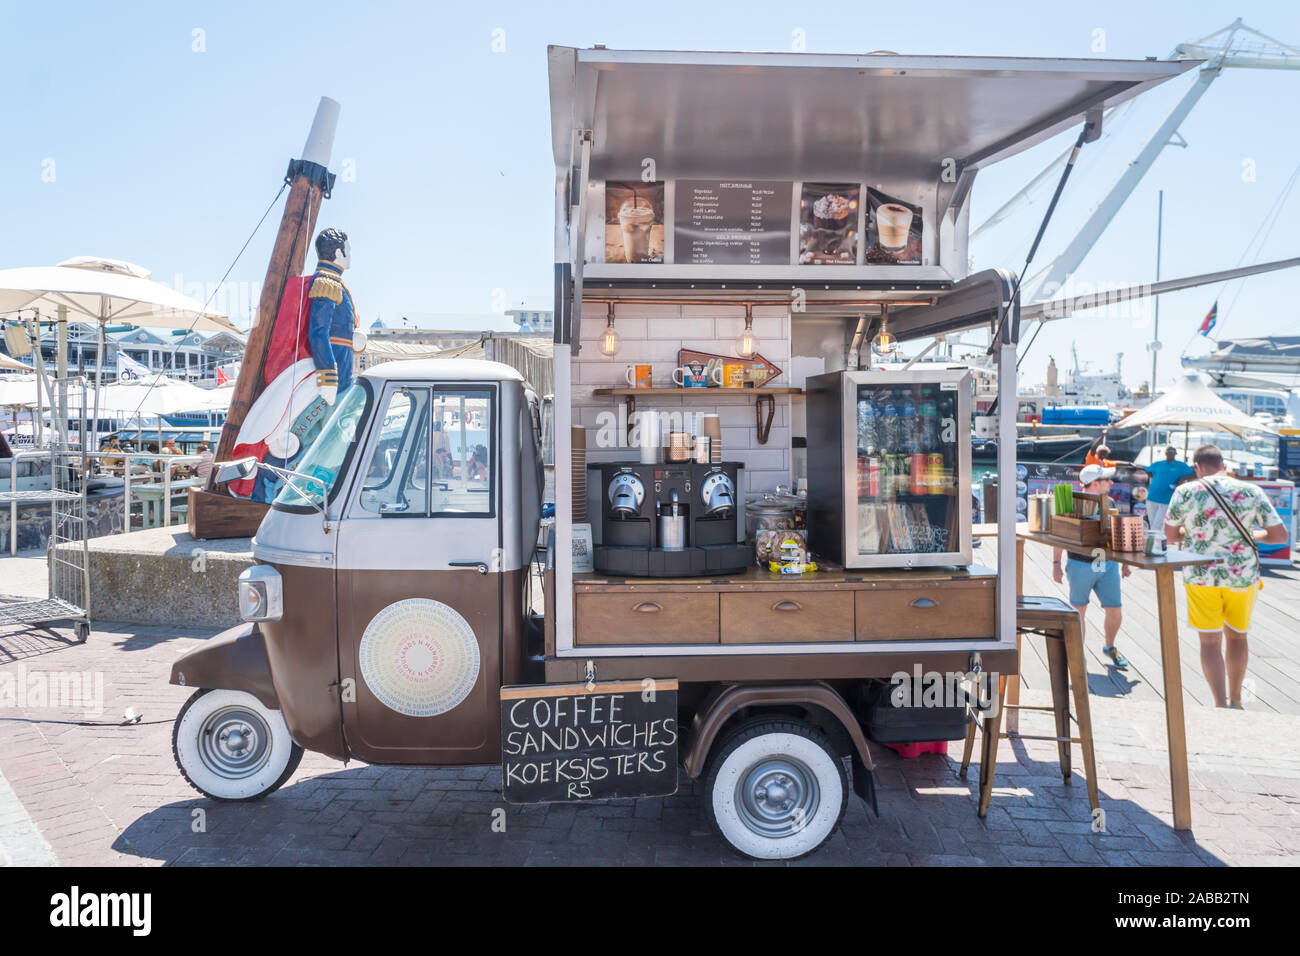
(330, 326)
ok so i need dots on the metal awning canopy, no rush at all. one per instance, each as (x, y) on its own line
(918, 127)
(800, 116)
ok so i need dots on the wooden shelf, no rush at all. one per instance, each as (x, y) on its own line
(762, 397)
(625, 392)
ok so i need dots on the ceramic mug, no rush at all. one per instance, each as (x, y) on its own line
(692, 375)
(733, 376)
(638, 376)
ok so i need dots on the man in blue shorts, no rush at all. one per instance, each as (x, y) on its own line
(1087, 575)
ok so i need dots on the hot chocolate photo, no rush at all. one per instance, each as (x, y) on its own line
(828, 224)
(893, 231)
(634, 222)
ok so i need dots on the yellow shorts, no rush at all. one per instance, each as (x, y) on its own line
(1210, 608)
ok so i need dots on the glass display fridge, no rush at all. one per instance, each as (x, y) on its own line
(889, 475)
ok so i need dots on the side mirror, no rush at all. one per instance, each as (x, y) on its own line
(240, 470)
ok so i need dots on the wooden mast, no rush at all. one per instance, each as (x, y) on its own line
(213, 512)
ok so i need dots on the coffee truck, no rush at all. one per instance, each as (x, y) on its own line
(735, 234)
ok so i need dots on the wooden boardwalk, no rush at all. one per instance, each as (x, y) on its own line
(1274, 639)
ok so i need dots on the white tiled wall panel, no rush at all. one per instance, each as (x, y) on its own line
(654, 334)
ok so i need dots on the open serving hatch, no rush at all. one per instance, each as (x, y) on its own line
(914, 127)
(838, 182)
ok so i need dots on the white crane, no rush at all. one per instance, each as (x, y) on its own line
(1236, 45)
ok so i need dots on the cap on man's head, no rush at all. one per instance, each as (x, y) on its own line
(1093, 473)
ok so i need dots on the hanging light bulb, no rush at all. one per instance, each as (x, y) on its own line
(609, 339)
(747, 341)
(884, 343)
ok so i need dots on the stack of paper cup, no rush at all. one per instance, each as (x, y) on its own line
(711, 428)
(578, 462)
(648, 430)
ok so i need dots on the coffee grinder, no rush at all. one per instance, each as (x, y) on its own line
(666, 520)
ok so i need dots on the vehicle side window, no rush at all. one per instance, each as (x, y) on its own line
(462, 442)
(396, 479)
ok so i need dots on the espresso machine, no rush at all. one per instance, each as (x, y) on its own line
(666, 520)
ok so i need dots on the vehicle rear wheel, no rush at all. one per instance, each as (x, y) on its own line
(775, 789)
(230, 746)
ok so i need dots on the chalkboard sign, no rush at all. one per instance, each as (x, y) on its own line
(741, 223)
(563, 742)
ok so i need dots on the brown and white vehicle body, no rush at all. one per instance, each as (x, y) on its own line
(390, 603)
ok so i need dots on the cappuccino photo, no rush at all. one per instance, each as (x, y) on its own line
(893, 231)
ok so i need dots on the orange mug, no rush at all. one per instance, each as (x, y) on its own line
(638, 376)
(733, 376)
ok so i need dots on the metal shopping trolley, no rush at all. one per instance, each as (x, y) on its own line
(68, 556)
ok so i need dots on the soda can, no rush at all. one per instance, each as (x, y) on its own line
(873, 476)
(919, 483)
(934, 473)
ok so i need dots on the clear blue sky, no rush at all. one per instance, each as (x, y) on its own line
(167, 157)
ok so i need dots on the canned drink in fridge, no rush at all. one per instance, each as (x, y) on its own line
(873, 476)
(934, 473)
(919, 483)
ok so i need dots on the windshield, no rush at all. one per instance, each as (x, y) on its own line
(329, 453)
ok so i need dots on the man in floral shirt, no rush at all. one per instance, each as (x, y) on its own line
(1220, 596)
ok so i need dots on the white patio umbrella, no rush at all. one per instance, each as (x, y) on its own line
(1190, 403)
(18, 390)
(103, 291)
(165, 397)
(13, 365)
(214, 399)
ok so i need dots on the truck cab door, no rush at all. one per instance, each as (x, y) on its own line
(419, 589)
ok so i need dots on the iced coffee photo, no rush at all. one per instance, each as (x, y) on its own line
(828, 224)
(634, 222)
(893, 231)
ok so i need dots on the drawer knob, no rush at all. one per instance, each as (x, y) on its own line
(786, 606)
(925, 602)
(647, 607)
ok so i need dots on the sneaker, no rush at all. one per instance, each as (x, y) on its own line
(1116, 657)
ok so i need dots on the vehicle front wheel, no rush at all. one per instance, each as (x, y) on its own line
(776, 789)
(230, 746)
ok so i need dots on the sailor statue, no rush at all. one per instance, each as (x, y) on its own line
(332, 325)
(309, 363)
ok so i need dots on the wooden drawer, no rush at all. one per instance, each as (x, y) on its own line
(646, 617)
(787, 617)
(912, 612)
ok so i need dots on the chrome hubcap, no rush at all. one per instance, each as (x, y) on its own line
(234, 742)
(777, 796)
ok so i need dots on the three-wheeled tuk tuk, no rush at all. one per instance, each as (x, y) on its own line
(733, 233)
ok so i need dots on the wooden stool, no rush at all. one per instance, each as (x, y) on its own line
(1059, 623)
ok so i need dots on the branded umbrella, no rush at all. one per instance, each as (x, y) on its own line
(1190, 403)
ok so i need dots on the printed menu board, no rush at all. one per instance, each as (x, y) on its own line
(735, 222)
(747, 222)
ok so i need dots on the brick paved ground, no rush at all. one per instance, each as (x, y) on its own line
(110, 794)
